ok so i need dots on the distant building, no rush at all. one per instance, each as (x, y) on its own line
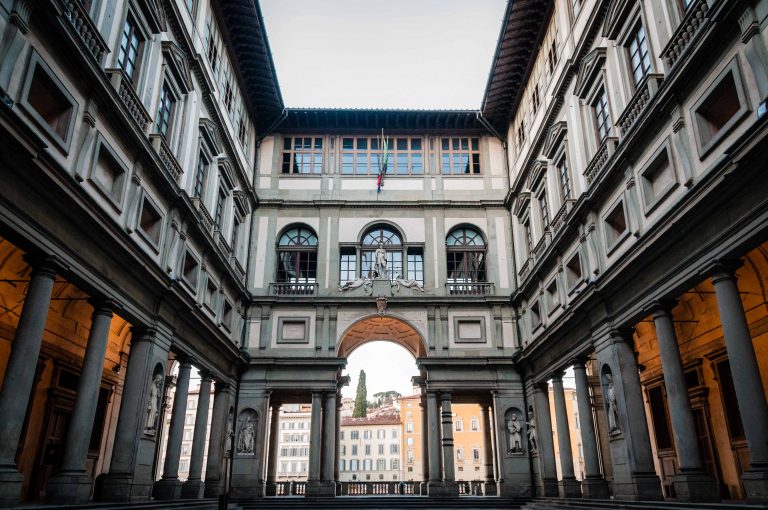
(370, 448)
(293, 443)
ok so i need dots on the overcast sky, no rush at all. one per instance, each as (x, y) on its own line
(387, 366)
(383, 54)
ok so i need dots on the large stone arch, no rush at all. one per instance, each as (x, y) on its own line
(387, 328)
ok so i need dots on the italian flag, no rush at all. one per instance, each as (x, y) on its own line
(383, 162)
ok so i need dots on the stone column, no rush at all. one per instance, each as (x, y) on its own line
(569, 486)
(450, 486)
(433, 435)
(634, 475)
(546, 441)
(424, 443)
(72, 484)
(336, 455)
(593, 485)
(692, 482)
(217, 439)
(194, 486)
(274, 445)
(315, 439)
(329, 444)
(745, 370)
(490, 479)
(19, 377)
(169, 486)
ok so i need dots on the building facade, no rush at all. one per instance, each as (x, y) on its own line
(370, 448)
(162, 209)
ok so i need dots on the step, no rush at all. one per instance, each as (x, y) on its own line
(189, 504)
(384, 502)
(597, 504)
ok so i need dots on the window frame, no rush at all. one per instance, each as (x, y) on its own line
(598, 120)
(452, 152)
(476, 275)
(297, 249)
(143, 36)
(612, 244)
(313, 152)
(631, 37)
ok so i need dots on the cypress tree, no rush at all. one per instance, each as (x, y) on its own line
(361, 398)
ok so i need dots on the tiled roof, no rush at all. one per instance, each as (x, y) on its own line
(382, 419)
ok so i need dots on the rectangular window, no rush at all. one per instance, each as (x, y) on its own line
(381, 449)
(409, 456)
(416, 265)
(573, 272)
(615, 224)
(602, 115)
(475, 424)
(409, 427)
(355, 434)
(197, 192)
(639, 58)
(367, 449)
(164, 110)
(302, 155)
(213, 41)
(476, 454)
(218, 217)
(354, 449)
(565, 179)
(50, 104)
(528, 237)
(459, 425)
(130, 45)
(460, 156)
(381, 464)
(347, 265)
(544, 209)
(394, 448)
(190, 269)
(661, 428)
(150, 221)
(365, 156)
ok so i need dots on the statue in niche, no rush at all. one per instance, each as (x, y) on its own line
(611, 410)
(532, 442)
(153, 402)
(408, 284)
(380, 268)
(514, 437)
(246, 436)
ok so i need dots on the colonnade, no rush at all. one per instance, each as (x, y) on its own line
(634, 475)
(136, 433)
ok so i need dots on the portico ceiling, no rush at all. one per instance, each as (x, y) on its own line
(382, 328)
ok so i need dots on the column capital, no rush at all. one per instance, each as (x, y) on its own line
(184, 360)
(45, 265)
(622, 334)
(720, 269)
(206, 375)
(103, 306)
(557, 375)
(445, 395)
(580, 361)
(660, 307)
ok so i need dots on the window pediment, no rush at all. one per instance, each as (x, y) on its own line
(589, 70)
(227, 172)
(618, 13)
(538, 170)
(153, 15)
(177, 65)
(241, 201)
(554, 137)
(210, 134)
(523, 200)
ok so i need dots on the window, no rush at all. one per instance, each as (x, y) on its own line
(535, 99)
(460, 454)
(658, 179)
(544, 209)
(552, 296)
(394, 448)
(381, 449)
(49, 104)
(354, 449)
(602, 114)
(367, 464)
(341, 435)
(347, 265)
(391, 241)
(297, 259)
(164, 110)
(520, 134)
(108, 173)
(394, 433)
(354, 434)
(364, 156)
(213, 41)
(659, 416)
(367, 449)
(528, 237)
(409, 441)
(342, 465)
(729, 400)
(458, 425)
(226, 315)
(221, 198)
(639, 58)
(209, 299)
(535, 314)
(476, 454)
(394, 464)
(465, 251)
(189, 419)
(381, 464)
(474, 424)
(128, 56)
(343, 449)
(416, 265)
(460, 156)
(576, 422)
(721, 107)
(302, 155)
(367, 434)
(573, 271)
(565, 179)
(150, 221)
(409, 456)
(200, 172)
(409, 427)
(615, 224)
(236, 224)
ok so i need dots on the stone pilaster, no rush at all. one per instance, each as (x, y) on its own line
(72, 483)
(433, 435)
(490, 488)
(327, 483)
(569, 486)
(593, 485)
(169, 486)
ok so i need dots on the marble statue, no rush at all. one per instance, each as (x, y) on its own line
(365, 283)
(408, 284)
(246, 437)
(610, 404)
(380, 268)
(153, 403)
(514, 428)
(532, 441)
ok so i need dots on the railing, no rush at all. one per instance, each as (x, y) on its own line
(689, 27)
(237, 267)
(293, 289)
(292, 488)
(84, 27)
(122, 84)
(595, 166)
(559, 220)
(470, 488)
(523, 273)
(221, 242)
(645, 91)
(469, 288)
(378, 488)
(205, 216)
(538, 250)
(170, 163)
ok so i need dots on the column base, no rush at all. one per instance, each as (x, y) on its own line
(167, 489)
(595, 488)
(490, 489)
(570, 488)
(695, 486)
(123, 488)
(212, 489)
(642, 487)
(11, 482)
(320, 488)
(443, 489)
(755, 480)
(551, 488)
(72, 487)
(192, 489)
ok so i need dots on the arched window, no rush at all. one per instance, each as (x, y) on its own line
(297, 256)
(465, 249)
(397, 253)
